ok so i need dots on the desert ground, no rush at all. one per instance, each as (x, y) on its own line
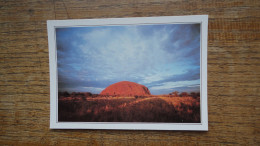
(87, 107)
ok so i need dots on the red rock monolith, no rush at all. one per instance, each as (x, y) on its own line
(126, 88)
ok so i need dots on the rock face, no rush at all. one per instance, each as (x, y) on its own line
(126, 88)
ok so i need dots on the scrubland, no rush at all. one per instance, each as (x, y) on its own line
(160, 108)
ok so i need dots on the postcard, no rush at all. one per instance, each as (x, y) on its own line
(142, 73)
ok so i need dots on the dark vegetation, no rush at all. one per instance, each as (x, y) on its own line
(87, 107)
(184, 94)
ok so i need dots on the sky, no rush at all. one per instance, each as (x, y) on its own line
(164, 58)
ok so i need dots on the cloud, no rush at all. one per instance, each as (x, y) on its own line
(190, 75)
(153, 55)
(172, 85)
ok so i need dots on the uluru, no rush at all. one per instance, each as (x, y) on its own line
(126, 88)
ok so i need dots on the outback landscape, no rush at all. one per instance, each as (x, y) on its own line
(129, 73)
(128, 102)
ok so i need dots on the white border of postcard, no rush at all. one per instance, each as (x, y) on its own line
(54, 124)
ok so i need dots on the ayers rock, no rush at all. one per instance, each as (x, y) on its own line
(126, 88)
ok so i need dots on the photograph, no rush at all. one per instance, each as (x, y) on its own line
(128, 72)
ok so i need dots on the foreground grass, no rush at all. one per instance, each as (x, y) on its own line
(130, 109)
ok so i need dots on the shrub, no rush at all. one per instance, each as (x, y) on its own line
(195, 95)
(63, 94)
(184, 94)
